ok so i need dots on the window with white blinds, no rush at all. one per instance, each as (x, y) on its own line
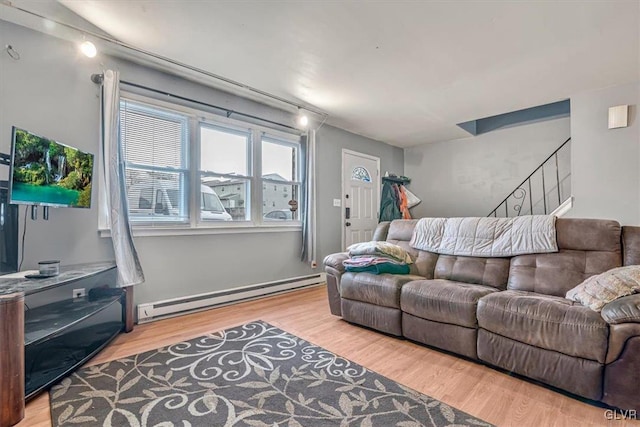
(191, 169)
(155, 145)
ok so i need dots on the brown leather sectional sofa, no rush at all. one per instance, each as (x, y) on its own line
(510, 312)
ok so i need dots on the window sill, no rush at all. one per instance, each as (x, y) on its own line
(158, 231)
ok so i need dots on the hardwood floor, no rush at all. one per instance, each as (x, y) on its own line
(481, 391)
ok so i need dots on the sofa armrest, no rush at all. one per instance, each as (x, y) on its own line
(622, 310)
(631, 245)
(335, 261)
(334, 269)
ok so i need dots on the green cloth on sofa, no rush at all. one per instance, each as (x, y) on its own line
(384, 267)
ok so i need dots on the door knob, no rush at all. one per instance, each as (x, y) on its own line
(347, 224)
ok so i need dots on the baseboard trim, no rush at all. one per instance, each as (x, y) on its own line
(563, 208)
(149, 312)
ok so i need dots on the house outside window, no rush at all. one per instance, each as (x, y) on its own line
(225, 159)
(281, 164)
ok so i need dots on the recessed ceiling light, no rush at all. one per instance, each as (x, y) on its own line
(88, 48)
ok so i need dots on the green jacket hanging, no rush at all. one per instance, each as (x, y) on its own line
(388, 204)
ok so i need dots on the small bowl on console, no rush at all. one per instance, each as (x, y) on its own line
(49, 268)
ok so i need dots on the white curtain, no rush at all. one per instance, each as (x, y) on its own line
(115, 196)
(309, 199)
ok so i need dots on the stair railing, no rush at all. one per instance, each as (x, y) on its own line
(548, 185)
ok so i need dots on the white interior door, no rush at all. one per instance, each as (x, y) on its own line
(360, 196)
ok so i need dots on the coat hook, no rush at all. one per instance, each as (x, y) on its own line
(12, 52)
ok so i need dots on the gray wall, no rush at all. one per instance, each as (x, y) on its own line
(606, 163)
(48, 91)
(330, 142)
(471, 176)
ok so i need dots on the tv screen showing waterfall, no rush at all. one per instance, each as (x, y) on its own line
(46, 172)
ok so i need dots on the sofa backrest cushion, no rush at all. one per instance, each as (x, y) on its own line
(381, 231)
(492, 272)
(587, 247)
(588, 234)
(400, 232)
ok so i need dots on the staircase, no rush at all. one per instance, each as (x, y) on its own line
(546, 191)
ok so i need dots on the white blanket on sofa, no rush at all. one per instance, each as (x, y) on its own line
(486, 237)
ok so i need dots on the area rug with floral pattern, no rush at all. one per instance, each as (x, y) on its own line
(250, 375)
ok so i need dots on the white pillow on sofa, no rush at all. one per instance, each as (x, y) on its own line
(380, 248)
(599, 290)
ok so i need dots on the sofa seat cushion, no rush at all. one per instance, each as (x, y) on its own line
(545, 321)
(378, 289)
(443, 301)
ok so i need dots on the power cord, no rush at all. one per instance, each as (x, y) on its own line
(24, 234)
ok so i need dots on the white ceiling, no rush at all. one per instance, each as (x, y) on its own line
(401, 72)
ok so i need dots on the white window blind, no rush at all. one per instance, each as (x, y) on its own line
(155, 145)
(152, 137)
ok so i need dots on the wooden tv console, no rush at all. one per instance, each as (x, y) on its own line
(47, 331)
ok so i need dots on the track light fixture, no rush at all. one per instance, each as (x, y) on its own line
(92, 51)
(303, 120)
(88, 48)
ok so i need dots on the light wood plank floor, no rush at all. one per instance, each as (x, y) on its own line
(481, 391)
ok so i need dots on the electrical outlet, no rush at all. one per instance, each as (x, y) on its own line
(78, 293)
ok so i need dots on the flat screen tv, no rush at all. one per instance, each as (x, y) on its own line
(46, 172)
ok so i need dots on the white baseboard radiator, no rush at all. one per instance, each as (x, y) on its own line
(183, 305)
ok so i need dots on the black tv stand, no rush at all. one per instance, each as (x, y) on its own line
(61, 331)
